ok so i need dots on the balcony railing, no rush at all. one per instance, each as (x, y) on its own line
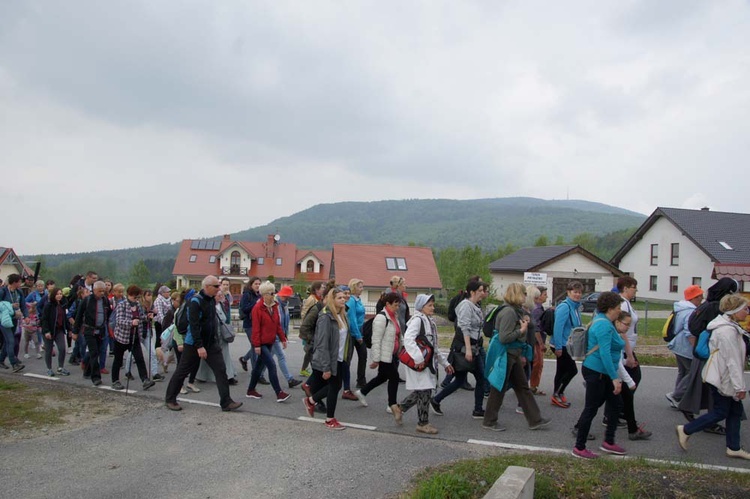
(234, 270)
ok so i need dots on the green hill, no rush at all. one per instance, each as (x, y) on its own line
(438, 223)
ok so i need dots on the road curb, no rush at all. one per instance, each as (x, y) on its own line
(516, 483)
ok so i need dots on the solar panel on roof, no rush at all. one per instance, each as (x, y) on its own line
(202, 245)
(194, 244)
(216, 245)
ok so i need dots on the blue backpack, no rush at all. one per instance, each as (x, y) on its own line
(702, 351)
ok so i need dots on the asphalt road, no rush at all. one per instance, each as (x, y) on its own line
(271, 449)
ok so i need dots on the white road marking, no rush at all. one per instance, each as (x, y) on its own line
(41, 376)
(105, 387)
(348, 425)
(529, 448)
(199, 402)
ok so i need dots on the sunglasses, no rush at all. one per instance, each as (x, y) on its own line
(214, 285)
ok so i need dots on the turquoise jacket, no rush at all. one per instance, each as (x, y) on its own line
(567, 317)
(496, 364)
(605, 359)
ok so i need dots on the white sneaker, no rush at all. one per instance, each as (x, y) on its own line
(26, 356)
(740, 453)
(38, 356)
(389, 410)
(361, 397)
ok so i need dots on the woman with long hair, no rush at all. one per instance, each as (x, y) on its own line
(317, 293)
(332, 349)
(467, 354)
(55, 328)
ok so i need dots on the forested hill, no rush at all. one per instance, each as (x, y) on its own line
(438, 223)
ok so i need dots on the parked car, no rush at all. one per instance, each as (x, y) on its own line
(588, 302)
(295, 306)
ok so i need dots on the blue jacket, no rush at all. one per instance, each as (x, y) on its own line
(284, 315)
(680, 345)
(567, 317)
(606, 358)
(356, 314)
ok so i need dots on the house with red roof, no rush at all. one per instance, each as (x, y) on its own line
(11, 264)
(240, 260)
(376, 264)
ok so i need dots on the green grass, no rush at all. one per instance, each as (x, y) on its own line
(24, 407)
(563, 477)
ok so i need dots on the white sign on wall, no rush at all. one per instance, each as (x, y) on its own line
(535, 278)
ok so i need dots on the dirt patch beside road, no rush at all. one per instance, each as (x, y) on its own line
(31, 408)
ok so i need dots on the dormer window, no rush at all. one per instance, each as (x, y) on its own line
(193, 258)
(395, 263)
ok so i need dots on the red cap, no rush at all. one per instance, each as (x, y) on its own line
(285, 291)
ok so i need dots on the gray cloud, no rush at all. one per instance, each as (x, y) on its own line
(363, 101)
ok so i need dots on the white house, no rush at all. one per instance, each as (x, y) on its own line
(556, 266)
(675, 248)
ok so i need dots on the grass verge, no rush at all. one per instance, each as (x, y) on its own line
(562, 477)
(24, 407)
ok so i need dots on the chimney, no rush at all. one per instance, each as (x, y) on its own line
(226, 237)
(705, 208)
(270, 242)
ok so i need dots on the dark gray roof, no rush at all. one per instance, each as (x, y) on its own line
(706, 229)
(526, 259)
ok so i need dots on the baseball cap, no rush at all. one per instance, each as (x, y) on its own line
(692, 291)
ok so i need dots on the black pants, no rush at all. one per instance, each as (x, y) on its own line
(94, 344)
(58, 338)
(566, 371)
(327, 388)
(135, 351)
(361, 349)
(189, 361)
(628, 404)
(387, 371)
(599, 390)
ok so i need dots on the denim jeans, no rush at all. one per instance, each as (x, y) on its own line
(725, 408)
(265, 359)
(250, 355)
(278, 351)
(9, 346)
(459, 379)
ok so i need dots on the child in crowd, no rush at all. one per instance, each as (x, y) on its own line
(30, 327)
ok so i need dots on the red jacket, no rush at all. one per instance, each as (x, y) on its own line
(266, 324)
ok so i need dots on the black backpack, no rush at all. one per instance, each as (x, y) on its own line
(488, 328)
(454, 303)
(547, 321)
(367, 329)
(181, 319)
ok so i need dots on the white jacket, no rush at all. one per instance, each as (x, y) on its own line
(725, 367)
(424, 380)
(383, 338)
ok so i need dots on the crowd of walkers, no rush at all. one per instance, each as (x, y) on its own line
(91, 317)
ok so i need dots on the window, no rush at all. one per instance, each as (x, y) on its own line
(278, 262)
(212, 259)
(673, 284)
(193, 258)
(395, 263)
(675, 260)
(654, 254)
(310, 266)
(697, 281)
(235, 259)
(195, 284)
(725, 245)
(652, 283)
(261, 260)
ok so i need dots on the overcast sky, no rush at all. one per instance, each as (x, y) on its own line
(135, 123)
